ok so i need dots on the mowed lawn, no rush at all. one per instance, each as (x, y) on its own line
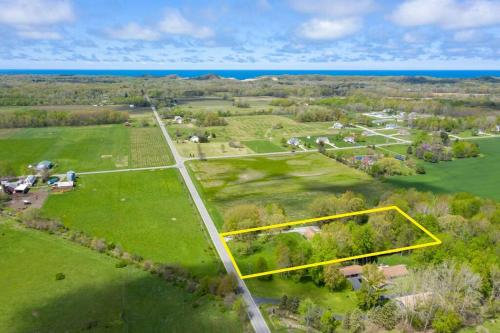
(88, 148)
(339, 301)
(148, 213)
(95, 295)
(292, 181)
(480, 176)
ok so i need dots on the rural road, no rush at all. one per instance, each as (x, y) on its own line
(381, 134)
(257, 320)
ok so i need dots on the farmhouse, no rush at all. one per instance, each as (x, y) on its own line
(44, 165)
(349, 139)
(337, 125)
(293, 141)
(351, 271)
(322, 140)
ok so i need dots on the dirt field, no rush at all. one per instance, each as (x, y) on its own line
(36, 197)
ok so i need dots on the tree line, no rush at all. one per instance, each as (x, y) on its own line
(44, 118)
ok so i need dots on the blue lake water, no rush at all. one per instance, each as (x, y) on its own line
(249, 74)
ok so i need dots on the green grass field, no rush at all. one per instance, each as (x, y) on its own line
(474, 175)
(263, 146)
(291, 181)
(339, 301)
(148, 213)
(88, 148)
(95, 296)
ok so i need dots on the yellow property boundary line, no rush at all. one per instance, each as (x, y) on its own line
(436, 241)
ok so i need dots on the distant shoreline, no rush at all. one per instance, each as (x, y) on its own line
(253, 74)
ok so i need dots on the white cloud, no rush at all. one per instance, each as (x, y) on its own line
(134, 31)
(333, 8)
(35, 12)
(39, 35)
(325, 29)
(175, 24)
(449, 14)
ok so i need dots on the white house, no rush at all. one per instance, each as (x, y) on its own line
(194, 139)
(293, 141)
(337, 125)
(349, 139)
(178, 120)
(322, 140)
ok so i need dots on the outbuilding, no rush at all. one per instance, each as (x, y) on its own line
(44, 165)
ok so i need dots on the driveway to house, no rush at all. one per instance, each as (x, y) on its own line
(381, 134)
(257, 320)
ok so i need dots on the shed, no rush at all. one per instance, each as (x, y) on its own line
(44, 165)
(30, 180)
(22, 188)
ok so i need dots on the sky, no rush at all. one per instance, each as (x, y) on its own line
(258, 34)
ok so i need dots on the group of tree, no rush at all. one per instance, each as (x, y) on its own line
(44, 118)
(435, 152)
(207, 119)
(455, 124)
(311, 315)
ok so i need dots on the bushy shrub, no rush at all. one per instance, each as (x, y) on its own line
(60, 276)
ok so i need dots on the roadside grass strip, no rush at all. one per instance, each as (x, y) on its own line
(435, 241)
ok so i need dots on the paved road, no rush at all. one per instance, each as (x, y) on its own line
(258, 322)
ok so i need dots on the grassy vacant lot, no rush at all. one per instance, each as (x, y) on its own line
(86, 148)
(94, 295)
(340, 301)
(474, 175)
(148, 213)
(291, 181)
(261, 133)
(215, 105)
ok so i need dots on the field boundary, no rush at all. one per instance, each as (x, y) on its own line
(436, 241)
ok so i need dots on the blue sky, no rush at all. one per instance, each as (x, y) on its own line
(259, 34)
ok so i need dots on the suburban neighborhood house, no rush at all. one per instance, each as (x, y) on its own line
(293, 141)
(354, 273)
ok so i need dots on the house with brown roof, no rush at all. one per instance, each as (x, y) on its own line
(351, 271)
(391, 272)
(310, 232)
